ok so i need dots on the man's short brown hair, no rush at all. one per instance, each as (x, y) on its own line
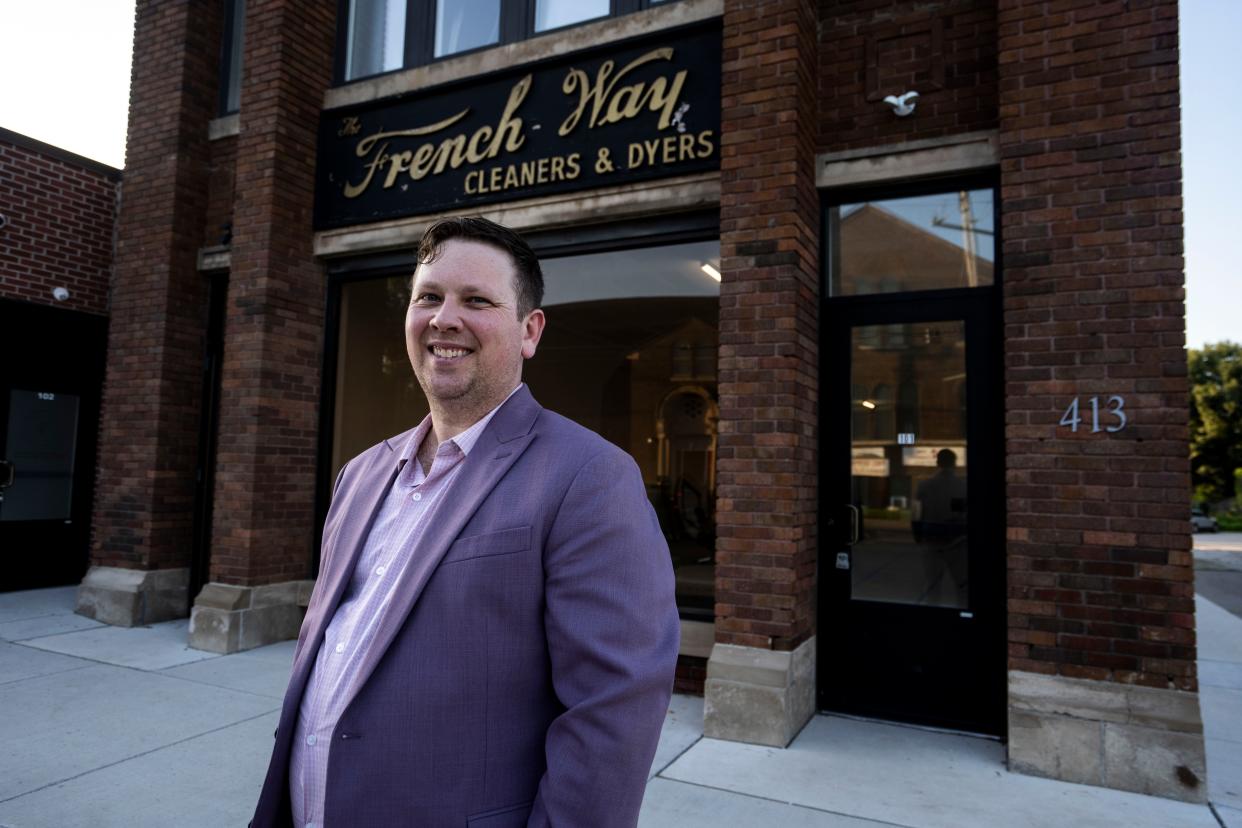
(529, 287)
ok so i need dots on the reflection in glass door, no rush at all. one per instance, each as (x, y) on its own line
(908, 463)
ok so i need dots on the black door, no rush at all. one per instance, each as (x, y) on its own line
(49, 417)
(912, 557)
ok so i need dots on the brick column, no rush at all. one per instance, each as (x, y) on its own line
(1101, 591)
(263, 521)
(761, 676)
(143, 512)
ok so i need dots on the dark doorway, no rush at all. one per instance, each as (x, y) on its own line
(208, 428)
(49, 421)
(912, 589)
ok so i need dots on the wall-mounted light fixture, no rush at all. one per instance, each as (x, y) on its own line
(710, 271)
(868, 404)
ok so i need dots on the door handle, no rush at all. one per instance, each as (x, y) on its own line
(855, 523)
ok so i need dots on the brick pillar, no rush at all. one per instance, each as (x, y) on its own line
(761, 676)
(143, 513)
(1101, 590)
(263, 521)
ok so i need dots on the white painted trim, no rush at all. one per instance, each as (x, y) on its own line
(216, 257)
(225, 126)
(691, 192)
(967, 152)
(697, 638)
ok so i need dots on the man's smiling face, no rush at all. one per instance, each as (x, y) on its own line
(462, 331)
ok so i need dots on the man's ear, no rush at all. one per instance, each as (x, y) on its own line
(532, 329)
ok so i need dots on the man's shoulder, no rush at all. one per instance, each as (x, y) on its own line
(575, 444)
(572, 433)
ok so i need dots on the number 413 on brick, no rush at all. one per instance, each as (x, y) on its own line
(1114, 407)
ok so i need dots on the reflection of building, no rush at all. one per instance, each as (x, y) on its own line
(888, 287)
(897, 255)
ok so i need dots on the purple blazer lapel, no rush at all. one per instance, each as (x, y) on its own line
(378, 474)
(500, 445)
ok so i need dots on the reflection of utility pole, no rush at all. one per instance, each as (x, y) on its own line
(968, 239)
(968, 236)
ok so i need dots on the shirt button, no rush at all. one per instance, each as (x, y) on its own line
(340, 648)
(416, 496)
(380, 570)
(310, 740)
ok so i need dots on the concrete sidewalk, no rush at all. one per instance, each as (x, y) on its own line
(106, 726)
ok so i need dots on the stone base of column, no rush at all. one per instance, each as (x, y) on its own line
(1122, 736)
(759, 696)
(133, 597)
(228, 618)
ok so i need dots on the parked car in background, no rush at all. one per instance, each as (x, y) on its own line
(1200, 521)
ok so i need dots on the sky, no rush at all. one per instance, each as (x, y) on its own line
(66, 67)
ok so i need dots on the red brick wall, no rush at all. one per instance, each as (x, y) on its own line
(691, 675)
(60, 214)
(946, 51)
(223, 169)
(149, 431)
(1100, 568)
(265, 474)
(766, 509)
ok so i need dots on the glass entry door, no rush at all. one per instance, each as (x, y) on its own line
(912, 623)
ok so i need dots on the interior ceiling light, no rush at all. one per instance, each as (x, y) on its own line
(710, 271)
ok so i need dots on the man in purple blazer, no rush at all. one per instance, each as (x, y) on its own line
(493, 634)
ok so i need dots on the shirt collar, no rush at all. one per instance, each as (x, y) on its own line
(464, 441)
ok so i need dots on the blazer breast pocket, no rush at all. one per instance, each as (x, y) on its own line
(489, 545)
(513, 816)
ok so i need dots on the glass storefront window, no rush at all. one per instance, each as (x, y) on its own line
(376, 37)
(629, 351)
(942, 240)
(466, 24)
(377, 395)
(552, 14)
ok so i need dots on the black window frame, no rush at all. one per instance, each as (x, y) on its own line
(517, 23)
(830, 199)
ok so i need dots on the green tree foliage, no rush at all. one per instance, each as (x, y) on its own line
(1215, 419)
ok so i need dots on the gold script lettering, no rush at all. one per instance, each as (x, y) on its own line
(434, 157)
(602, 96)
(365, 144)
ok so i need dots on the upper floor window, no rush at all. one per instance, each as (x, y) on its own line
(386, 35)
(376, 37)
(231, 56)
(462, 25)
(553, 14)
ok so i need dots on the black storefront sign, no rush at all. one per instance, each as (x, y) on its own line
(641, 109)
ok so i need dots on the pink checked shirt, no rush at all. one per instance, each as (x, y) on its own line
(391, 545)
